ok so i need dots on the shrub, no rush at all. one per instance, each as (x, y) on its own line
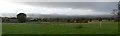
(85, 21)
(80, 26)
(116, 20)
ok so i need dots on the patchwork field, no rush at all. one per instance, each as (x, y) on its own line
(70, 28)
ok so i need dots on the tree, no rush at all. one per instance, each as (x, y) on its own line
(115, 12)
(118, 12)
(21, 17)
(119, 8)
(99, 19)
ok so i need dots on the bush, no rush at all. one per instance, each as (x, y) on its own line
(84, 21)
(116, 20)
(80, 26)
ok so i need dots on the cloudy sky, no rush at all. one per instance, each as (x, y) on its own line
(63, 0)
(93, 7)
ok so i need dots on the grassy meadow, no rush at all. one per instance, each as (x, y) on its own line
(70, 28)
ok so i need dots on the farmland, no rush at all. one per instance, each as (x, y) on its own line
(61, 28)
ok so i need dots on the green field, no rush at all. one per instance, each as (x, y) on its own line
(70, 28)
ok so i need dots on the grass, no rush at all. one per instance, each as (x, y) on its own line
(88, 28)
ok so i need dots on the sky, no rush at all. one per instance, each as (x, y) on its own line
(83, 7)
(63, 0)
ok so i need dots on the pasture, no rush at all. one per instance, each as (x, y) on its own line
(67, 28)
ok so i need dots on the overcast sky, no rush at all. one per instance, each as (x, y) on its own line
(64, 8)
(63, 0)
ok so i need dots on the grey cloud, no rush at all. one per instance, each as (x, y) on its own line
(63, 0)
(97, 6)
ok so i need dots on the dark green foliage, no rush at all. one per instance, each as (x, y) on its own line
(99, 19)
(80, 26)
(21, 17)
(90, 20)
(117, 20)
(75, 20)
(85, 21)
